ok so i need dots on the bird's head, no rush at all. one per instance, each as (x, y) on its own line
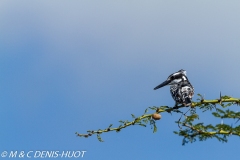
(174, 79)
(182, 71)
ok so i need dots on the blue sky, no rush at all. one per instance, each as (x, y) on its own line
(70, 66)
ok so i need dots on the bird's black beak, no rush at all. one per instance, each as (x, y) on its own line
(162, 84)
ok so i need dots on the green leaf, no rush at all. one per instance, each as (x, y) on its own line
(121, 121)
(225, 97)
(220, 111)
(142, 125)
(216, 114)
(153, 108)
(99, 138)
(154, 128)
(191, 117)
(228, 104)
(133, 116)
(146, 110)
(145, 120)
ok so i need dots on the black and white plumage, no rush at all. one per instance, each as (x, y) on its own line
(181, 89)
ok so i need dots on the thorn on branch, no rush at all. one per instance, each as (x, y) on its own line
(220, 99)
(202, 97)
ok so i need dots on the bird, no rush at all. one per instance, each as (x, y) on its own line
(181, 89)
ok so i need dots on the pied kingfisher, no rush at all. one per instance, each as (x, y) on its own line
(181, 89)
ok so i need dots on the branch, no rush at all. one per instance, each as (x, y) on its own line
(202, 104)
(201, 132)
